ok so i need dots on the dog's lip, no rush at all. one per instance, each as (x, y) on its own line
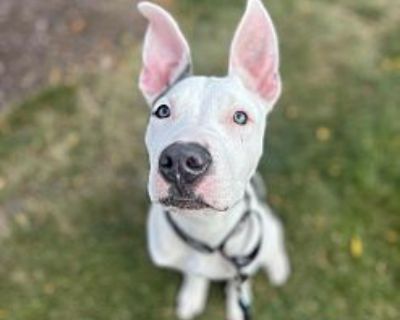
(192, 203)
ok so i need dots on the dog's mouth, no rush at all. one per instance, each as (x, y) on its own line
(187, 203)
(187, 199)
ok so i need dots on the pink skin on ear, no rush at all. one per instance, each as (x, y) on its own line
(166, 54)
(254, 54)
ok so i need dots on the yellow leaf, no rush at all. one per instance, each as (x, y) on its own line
(323, 134)
(356, 247)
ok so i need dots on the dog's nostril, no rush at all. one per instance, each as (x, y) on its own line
(194, 163)
(166, 162)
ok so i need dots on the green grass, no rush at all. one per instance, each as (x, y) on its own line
(73, 176)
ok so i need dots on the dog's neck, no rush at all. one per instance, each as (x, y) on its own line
(209, 226)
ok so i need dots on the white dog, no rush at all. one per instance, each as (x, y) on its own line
(205, 139)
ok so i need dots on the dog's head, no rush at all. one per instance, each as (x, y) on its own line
(205, 134)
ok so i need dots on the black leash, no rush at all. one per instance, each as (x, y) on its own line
(238, 262)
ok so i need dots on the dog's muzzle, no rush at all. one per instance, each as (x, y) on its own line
(183, 165)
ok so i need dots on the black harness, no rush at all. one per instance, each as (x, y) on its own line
(239, 262)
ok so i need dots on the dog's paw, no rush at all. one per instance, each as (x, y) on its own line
(279, 270)
(192, 298)
(234, 313)
(189, 308)
(238, 316)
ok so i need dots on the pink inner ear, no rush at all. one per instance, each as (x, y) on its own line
(254, 54)
(165, 53)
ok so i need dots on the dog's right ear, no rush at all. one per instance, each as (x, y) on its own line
(166, 53)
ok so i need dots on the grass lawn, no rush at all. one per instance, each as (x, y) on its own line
(73, 176)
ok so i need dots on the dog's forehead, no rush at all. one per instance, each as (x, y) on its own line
(209, 92)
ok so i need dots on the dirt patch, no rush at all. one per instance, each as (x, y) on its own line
(43, 42)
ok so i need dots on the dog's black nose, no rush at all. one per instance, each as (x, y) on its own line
(182, 164)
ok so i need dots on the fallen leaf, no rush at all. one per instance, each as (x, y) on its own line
(356, 247)
(323, 134)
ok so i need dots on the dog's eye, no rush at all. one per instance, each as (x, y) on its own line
(240, 118)
(162, 112)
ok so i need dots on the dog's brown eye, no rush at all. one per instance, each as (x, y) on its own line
(240, 118)
(162, 112)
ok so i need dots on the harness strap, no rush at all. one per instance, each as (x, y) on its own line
(238, 262)
(200, 245)
(189, 240)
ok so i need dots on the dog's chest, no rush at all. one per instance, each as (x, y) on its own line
(168, 249)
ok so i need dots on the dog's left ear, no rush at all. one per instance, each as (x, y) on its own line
(166, 53)
(254, 55)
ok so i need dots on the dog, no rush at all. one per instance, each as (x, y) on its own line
(208, 218)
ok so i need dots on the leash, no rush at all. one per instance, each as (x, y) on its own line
(239, 262)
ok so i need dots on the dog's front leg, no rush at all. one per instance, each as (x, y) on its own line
(233, 310)
(192, 296)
